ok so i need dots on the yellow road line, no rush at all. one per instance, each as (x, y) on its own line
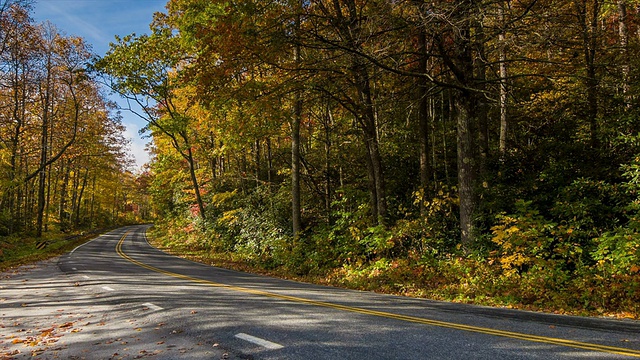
(413, 319)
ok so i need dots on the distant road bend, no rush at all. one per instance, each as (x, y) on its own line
(254, 316)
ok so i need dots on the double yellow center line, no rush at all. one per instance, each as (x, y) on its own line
(412, 319)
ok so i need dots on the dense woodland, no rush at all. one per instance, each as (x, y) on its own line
(474, 150)
(482, 150)
(63, 158)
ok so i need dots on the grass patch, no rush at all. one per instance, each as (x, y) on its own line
(21, 250)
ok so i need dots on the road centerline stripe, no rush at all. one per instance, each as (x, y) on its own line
(413, 319)
(258, 341)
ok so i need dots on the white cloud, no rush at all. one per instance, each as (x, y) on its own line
(137, 145)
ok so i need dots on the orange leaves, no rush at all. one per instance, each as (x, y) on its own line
(45, 337)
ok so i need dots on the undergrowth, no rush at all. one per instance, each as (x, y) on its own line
(544, 286)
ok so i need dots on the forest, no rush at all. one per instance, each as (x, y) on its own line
(63, 157)
(482, 151)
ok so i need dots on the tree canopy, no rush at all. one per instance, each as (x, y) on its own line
(63, 158)
(492, 139)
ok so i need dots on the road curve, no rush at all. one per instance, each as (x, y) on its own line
(253, 316)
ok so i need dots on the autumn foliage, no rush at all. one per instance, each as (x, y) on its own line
(63, 158)
(480, 151)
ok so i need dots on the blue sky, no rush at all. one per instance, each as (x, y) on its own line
(98, 22)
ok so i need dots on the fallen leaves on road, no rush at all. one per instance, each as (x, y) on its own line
(45, 336)
(145, 353)
(42, 341)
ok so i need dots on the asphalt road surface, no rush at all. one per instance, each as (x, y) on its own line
(117, 297)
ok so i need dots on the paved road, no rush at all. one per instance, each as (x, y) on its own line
(117, 297)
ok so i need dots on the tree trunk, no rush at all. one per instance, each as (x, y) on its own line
(504, 126)
(74, 195)
(469, 110)
(590, 34)
(269, 163)
(370, 133)
(423, 123)
(295, 167)
(480, 111)
(79, 202)
(62, 215)
(625, 67)
(44, 148)
(194, 182)
(296, 208)
(328, 123)
(258, 165)
(466, 166)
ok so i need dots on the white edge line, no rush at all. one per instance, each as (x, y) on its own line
(262, 342)
(152, 306)
(90, 241)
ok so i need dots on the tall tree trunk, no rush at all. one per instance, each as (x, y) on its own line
(19, 108)
(44, 147)
(480, 111)
(62, 213)
(295, 167)
(347, 23)
(213, 159)
(446, 119)
(194, 181)
(370, 133)
(257, 159)
(588, 16)
(328, 124)
(74, 195)
(504, 125)
(423, 122)
(296, 209)
(269, 163)
(93, 200)
(625, 67)
(469, 109)
(81, 193)
(466, 166)
(47, 209)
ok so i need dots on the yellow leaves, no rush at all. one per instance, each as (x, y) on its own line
(514, 260)
(46, 336)
(230, 218)
(356, 233)
(221, 198)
